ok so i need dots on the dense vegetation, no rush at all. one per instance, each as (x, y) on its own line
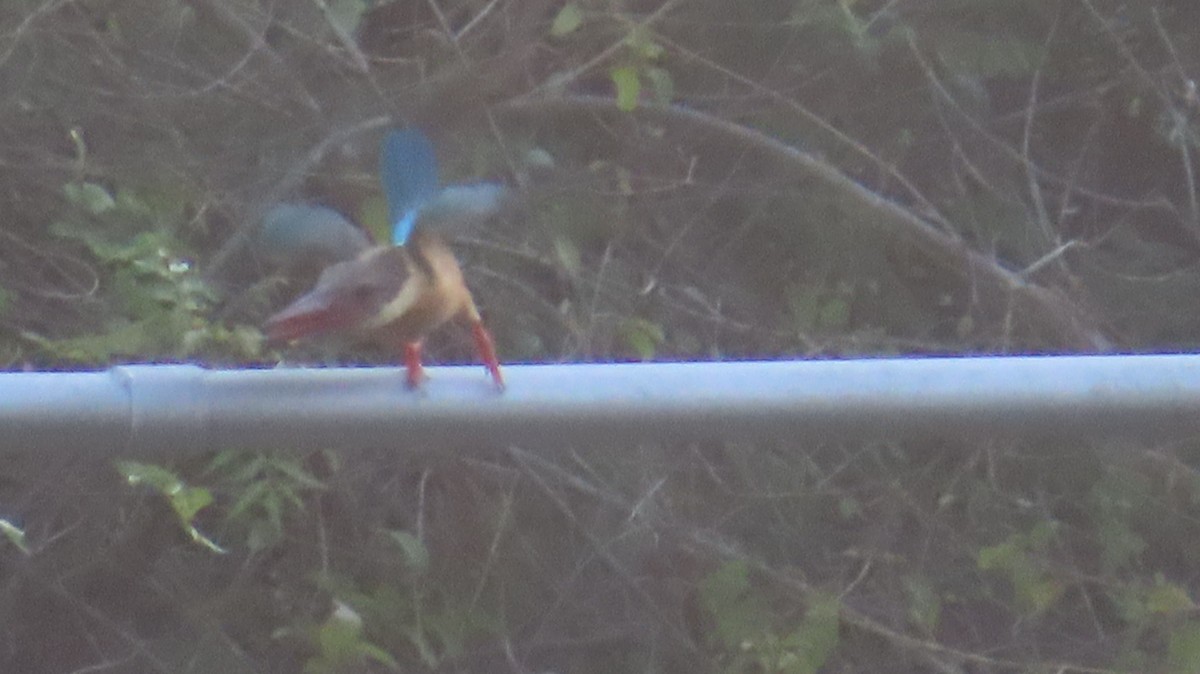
(699, 179)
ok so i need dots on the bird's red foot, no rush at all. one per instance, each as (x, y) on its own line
(414, 371)
(487, 353)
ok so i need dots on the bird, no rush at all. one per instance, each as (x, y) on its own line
(399, 292)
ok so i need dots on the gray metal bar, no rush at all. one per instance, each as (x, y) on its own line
(147, 409)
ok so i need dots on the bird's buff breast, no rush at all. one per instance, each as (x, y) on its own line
(427, 313)
(425, 303)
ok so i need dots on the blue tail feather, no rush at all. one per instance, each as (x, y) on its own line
(409, 173)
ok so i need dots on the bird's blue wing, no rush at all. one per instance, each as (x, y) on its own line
(298, 234)
(459, 208)
(409, 173)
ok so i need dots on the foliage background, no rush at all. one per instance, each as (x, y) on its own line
(700, 179)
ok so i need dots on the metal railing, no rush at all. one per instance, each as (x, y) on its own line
(149, 409)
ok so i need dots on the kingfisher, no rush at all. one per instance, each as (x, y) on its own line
(397, 293)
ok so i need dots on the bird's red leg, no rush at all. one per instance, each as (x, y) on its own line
(412, 364)
(487, 352)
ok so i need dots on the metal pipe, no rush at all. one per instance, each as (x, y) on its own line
(180, 409)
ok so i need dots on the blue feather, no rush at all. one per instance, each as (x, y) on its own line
(299, 234)
(409, 173)
(463, 207)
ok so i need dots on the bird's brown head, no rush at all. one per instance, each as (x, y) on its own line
(350, 296)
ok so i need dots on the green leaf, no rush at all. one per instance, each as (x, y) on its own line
(848, 507)
(291, 495)
(924, 605)
(835, 314)
(185, 501)
(252, 467)
(416, 556)
(628, 86)
(1119, 545)
(816, 639)
(642, 45)
(567, 20)
(138, 247)
(224, 460)
(263, 536)
(1040, 594)
(568, 255)
(373, 652)
(132, 205)
(291, 469)
(271, 504)
(642, 336)
(189, 501)
(1168, 598)
(345, 15)
(162, 480)
(14, 534)
(339, 640)
(661, 85)
(995, 556)
(741, 613)
(624, 181)
(1042, 535)
(804, 301)
(1035, 588)
(725, 585)
(90, 197)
